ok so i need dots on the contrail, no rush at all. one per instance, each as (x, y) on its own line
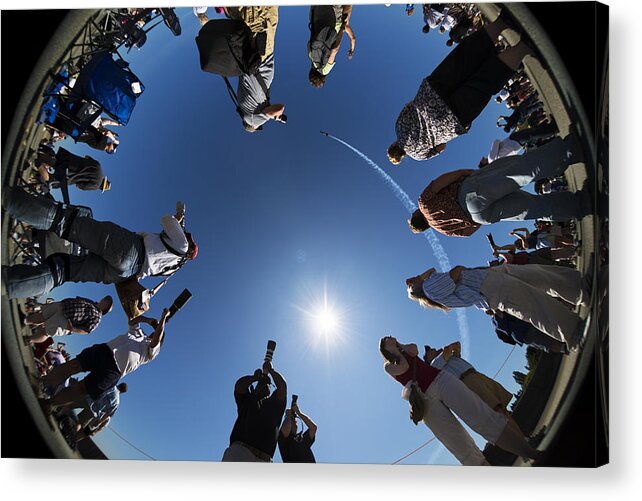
(437, 248)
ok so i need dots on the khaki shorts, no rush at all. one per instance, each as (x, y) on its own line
(237, 453)
(489, 390)
(259, 19)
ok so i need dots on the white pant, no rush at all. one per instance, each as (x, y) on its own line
(528, 292)
(446, 395)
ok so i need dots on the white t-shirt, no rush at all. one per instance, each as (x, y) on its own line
(157, 257)
(133, 349)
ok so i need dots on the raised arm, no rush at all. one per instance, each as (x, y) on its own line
(455, 273)
(411, 349)
(312, 427)
(243, 383)
(281, 391)
(175, 235)
(446, 179)
(286, 427)
(453, 349)
(159, 332)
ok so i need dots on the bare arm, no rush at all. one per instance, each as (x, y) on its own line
(243, 383)
(411, 349)
(455, 273)
(506, 256)
(143, 319)
(453, 349)
(446, 179)
(353, 40)
(312, 427)
(507, 247)
(286, 427)
(159, 332)
(101, 424)
(281, 391)
(75, 330)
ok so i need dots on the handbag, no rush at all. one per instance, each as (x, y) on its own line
(416, 398)
(134, 298)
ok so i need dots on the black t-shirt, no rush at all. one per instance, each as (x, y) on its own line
(258, 421)
(296, 448)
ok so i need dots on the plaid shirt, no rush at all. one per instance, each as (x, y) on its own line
(82, 313)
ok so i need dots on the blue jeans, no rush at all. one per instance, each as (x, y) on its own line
(115, 253)
(493, 193)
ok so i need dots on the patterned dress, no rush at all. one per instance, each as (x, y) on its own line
(426, 122)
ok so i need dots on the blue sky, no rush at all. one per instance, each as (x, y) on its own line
(284, 218)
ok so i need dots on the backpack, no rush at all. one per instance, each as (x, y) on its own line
(323, 34)
(226, 48)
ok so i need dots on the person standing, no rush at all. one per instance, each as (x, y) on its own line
(296, 446)
(443, 395)
(459, 202)
(106, 363)
(253, 91)
(490, 391)
(328, 23)
(254, 436)
(78, 315)
(455, 93)
(97, 413)
(529, 292)
(115, 253)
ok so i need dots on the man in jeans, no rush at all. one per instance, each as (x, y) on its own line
(458, 202)
(115, 253)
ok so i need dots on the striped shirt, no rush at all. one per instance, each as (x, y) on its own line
(441, 288)
(455, 365)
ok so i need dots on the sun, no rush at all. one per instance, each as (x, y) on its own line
(326, 321)
(323, 315)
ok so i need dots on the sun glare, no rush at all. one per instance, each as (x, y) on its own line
(326, 321)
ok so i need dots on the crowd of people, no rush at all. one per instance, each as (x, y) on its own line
(531, 290)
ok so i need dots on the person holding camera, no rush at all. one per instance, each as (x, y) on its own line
(444, 395)
(253, 91)
(449, 359)
(296, 447)
(115, 253)
(255, 431)
(106, 363)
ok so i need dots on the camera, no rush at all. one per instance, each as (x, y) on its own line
(179, 302)
(491, 241)
(271, 346)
